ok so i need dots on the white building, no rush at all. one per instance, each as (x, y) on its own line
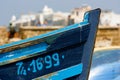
(110, 18)
(24, 19)
(13, 20)
(78, 13)
(47, 11)
(61, 18)
(46, 14)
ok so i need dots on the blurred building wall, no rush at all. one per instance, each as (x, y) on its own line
(30, 31)
(3, 35)
(108, 36)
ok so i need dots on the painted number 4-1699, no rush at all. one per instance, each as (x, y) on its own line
(38, 64)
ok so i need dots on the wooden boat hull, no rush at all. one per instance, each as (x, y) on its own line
(58, 55)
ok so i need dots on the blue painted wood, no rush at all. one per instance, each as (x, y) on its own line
(51, 52)
(27, 51)
(63, 74)
(89, 45)
(65, 55)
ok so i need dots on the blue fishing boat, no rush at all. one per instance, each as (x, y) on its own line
(61, 54)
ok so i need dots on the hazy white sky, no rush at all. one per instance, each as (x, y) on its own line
(18, 7)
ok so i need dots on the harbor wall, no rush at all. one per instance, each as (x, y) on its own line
(27, 32)
(3, 35)
(108, 36)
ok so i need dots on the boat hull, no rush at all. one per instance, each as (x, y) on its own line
(58, 55)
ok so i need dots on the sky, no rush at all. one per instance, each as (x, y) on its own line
(17, 7)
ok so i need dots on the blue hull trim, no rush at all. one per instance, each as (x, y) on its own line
(68, 72)
(21, 53)
(64, 74)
